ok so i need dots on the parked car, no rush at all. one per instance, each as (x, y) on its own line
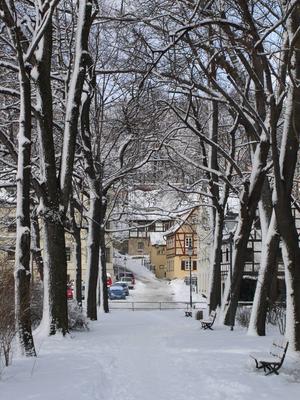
(116, 293)
(69, 293)
(126, 274)
(124, 286)
(128, 280)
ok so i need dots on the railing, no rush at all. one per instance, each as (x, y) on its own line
(154, 305)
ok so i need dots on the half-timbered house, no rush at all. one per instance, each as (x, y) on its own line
(181, 237)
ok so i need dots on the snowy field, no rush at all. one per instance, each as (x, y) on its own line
(149, 355)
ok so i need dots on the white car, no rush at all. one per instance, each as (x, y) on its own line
(127, 280)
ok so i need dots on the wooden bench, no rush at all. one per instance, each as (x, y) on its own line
(271, 362)
(208, 323)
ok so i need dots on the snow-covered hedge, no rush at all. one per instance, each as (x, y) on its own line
(77, 319)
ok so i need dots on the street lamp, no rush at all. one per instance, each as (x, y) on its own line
(230, 273)
(190, 253)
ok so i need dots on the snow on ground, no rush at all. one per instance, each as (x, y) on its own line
(148, 355)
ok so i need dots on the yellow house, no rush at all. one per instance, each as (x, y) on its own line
(71, 256)
(157, 251)
(181, 237)
(8, 241)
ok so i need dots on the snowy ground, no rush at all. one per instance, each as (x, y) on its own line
(148, 355)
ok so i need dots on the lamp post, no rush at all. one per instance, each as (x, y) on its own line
(230, 273)
(190, 253)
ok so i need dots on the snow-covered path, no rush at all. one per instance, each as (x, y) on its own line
(148, 355)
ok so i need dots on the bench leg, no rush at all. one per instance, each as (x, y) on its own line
(272, 369)
(206, 326)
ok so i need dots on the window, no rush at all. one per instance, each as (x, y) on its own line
(227, 254)
(140, 245)
(10, 254)
(170, 242)
(188, 241)
(68, 253)
(249, 255)
(107, 255)
(185, 265)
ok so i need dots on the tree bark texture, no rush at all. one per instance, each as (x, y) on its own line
(55, 264)
(103, 258)
(36, 246)
(93, 247)
(81, 61)
(22, 256)
(249, 203)
(284, 169)
(267, 271)
(215, 278)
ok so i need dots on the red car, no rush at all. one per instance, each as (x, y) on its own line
(69, 293)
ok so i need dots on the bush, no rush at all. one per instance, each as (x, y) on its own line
(76, 318)
(7, 312)
(243, 316)
(277, 316)
(36, 307)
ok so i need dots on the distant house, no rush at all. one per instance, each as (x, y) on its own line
(8, 242)
(158, 259)
(140, 231)
(181, 237)
(147, 214)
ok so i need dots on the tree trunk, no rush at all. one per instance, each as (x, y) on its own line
(82, 58)
(93, 246)
(215, 278)
(103, 259)
(22, 256)
(249, 201)
(36, 246)
(78, 254)
(268, 270)
(284, 169)
(55, 264)
(55, 276)
(76, 232)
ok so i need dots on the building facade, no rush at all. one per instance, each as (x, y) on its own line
(179, 239)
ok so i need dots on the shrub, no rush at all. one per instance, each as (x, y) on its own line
(277, 316)
(76, 318)
(243, 316)
(36, 304)
(7, 312)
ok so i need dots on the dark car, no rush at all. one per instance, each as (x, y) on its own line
(124, 286)
(116, 293)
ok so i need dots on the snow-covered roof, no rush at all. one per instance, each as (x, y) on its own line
(182, 218)
(233, 204)
(157, 204)
(157, 238)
